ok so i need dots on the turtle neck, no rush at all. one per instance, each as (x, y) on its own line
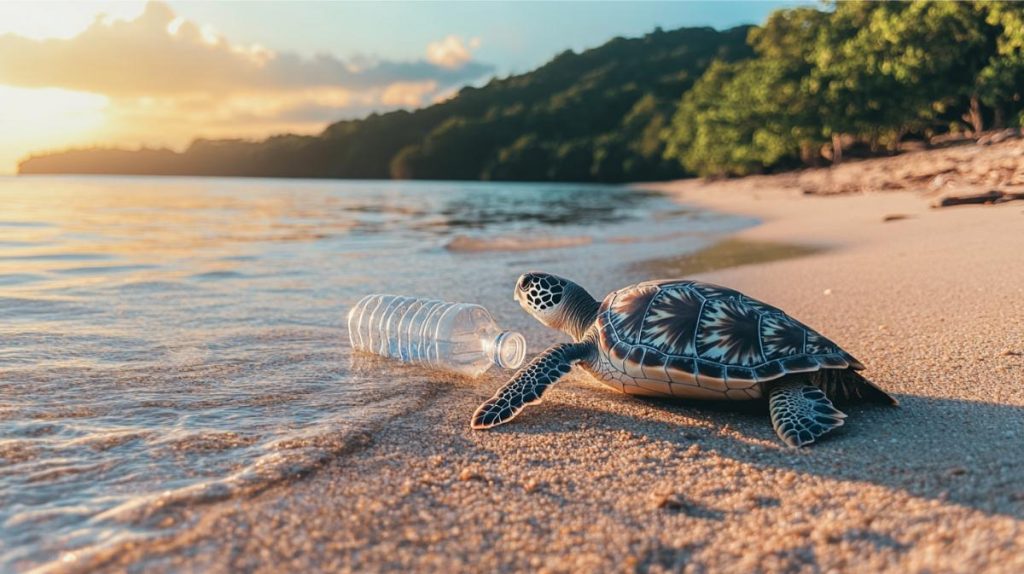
(580, 311)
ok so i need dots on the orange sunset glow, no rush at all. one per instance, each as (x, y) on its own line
(131, 74)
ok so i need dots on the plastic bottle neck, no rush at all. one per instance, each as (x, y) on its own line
(507, 350)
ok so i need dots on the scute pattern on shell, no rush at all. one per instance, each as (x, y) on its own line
(781, 336)
(702, 336)
(629, 311)
(729, 333)
(671, 321)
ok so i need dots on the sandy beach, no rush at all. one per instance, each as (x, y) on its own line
(591, 480)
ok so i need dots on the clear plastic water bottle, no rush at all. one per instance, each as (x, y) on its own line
(459, 337)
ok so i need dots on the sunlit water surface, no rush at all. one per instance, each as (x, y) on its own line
(170, 343)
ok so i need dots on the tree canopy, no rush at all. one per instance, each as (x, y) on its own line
(862, 72)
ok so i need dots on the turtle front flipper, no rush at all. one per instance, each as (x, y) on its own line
(529, 383)
(801, 413)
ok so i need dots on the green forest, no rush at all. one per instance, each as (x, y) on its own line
(808, 87)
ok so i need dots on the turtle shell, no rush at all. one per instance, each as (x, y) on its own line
(690, 338)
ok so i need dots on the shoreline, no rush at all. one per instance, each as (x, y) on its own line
(592, 479)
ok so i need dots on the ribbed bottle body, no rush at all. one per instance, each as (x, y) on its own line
(459, 337)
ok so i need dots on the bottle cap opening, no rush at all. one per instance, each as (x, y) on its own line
(509, 350)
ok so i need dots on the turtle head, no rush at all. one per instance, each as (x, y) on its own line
(557, 302)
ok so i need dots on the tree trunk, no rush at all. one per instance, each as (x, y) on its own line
(837, 148)
(998, 120)
(974, 116)
(899, 137)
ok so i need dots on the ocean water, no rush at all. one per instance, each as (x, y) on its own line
(169, 344)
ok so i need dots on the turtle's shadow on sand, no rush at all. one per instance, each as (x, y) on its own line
(965, 452)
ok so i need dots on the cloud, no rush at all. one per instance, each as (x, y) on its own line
(158, 79)
(407, 94)
(451, 52)
(160, 54)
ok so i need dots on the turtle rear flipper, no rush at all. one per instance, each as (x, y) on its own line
(847, 385)
(529, 383)
(801, 413)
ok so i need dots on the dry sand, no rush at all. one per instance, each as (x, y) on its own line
(592, 480)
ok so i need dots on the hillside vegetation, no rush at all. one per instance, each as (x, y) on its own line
(865, 76)
(808, 87)
(593, 116)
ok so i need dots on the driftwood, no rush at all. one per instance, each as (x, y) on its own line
(994, 196)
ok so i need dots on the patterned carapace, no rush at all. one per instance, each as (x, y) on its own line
(693, 339)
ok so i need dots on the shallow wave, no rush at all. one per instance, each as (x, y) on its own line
(468, 244)
(144, 523)
(471, 244)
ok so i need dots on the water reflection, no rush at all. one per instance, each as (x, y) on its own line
(172, 341)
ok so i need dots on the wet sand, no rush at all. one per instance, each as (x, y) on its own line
(591, 480)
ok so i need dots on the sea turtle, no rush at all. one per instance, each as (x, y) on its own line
(687, 339)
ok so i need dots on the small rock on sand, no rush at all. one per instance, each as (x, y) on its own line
(670, 501)
(895, 217)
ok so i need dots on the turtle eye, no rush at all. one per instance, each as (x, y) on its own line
(524, 283)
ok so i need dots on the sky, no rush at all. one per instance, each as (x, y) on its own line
(162, 73)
